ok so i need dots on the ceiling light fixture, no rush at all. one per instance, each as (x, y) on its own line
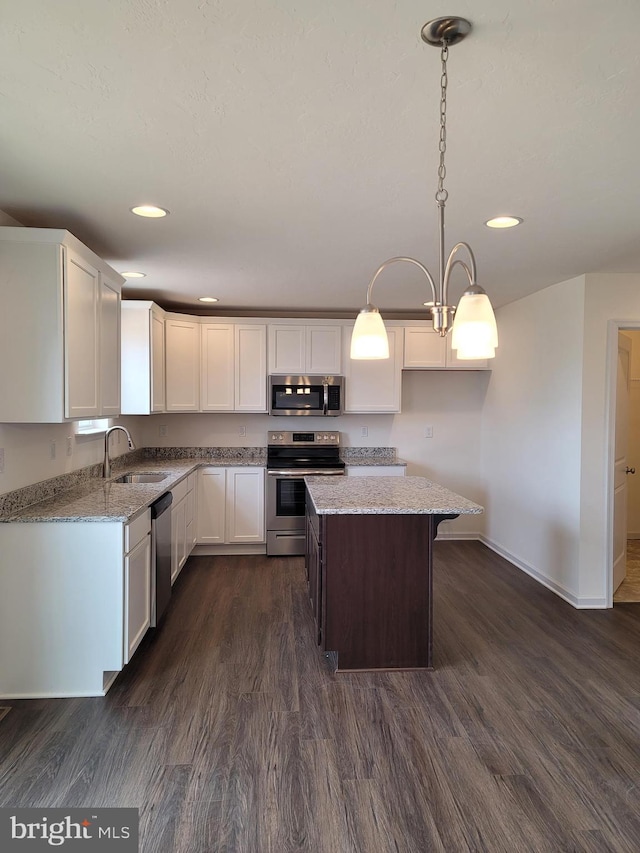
(133, 274)
(503, 222)
(474, 325)
(150, 211)
(207, 299)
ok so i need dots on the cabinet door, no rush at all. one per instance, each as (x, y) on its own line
(314, 576)
(375, 385)
(218, 367)
(190, 520)
(182, 355)
(423, 348)
(81, 337)
(251, 368)
(245, 505)
(463, 363)
(137, 603)
(211, 505)
(287, 350)
(178, 537)
(324, 350)
(157, 360)
(109, 349)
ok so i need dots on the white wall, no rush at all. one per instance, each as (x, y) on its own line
(449, 401)
(27, 451)
(610, 300)
(531, 436)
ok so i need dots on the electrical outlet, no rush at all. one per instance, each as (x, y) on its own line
(428, 432)
(69, 445)
(242, 431)
(52, 450)
(163, 430)
(364, 432)
(1, 460)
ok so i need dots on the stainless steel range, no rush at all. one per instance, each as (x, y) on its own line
(290, 457)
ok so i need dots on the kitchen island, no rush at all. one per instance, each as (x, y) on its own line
(369, 562)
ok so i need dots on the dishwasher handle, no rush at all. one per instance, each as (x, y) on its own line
(161, 505)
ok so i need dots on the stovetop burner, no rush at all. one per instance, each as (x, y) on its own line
(304, 450)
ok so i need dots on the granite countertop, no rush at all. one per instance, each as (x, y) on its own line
(106, 500)
(386, 496)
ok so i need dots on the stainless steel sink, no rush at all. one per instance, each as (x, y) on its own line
(141, 478)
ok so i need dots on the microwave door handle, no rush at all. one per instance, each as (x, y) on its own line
(325, 407)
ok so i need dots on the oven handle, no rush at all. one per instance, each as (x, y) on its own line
(305, 472)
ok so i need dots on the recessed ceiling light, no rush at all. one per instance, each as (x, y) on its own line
(504, 222)
(133, 274)
(149, 210)
(207, 299)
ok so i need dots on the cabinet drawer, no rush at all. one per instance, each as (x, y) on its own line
(179, 490)
(136, 530)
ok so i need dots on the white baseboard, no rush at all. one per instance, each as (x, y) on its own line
(453, 535)
(228, 550)
(558, 589)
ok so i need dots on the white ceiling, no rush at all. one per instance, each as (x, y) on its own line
(295, 142)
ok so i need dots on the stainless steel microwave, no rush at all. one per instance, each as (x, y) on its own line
(306, 395)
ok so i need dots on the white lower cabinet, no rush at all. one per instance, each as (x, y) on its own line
(230, 505)
(183, 511)
(75, 604)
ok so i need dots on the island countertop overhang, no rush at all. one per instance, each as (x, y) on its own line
(386, 496)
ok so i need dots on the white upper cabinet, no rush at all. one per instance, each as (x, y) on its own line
(182, 353)
(313, 348)
(218, 367)
(143, 390)
(59, 329)
(110, 334)
(234, 369)
(424, 349)
(374, 385)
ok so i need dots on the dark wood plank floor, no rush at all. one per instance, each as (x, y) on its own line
(231, 735)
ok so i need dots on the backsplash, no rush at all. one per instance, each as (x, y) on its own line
(353, 454)
(253, 454)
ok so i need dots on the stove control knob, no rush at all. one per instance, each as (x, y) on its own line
(332, 437)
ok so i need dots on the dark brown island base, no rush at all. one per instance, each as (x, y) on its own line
(369, 566)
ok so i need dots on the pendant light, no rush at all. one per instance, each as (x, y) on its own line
(474, 334)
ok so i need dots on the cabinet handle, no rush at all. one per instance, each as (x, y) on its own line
(630, 471)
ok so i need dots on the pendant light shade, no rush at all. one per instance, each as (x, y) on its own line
(474, 334)
(369, 339)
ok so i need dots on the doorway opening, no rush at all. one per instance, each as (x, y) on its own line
(625, 495)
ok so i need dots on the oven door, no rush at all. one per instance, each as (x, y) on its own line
(285, 504)
(285, 501)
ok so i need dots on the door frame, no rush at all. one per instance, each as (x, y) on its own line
(615, 326)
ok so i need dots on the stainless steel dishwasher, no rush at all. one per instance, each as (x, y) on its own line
(160, 557)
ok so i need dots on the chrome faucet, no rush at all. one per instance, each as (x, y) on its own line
(106, 465)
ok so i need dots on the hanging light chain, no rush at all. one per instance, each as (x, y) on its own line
(442, 194)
